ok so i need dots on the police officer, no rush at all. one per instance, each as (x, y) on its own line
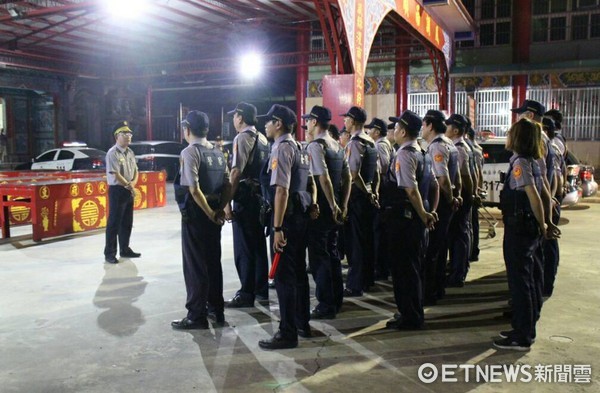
(202, 190)
(290, 170)
(444, 157)
(332, 179)
(378, 130)
(533, 110)
(550, 246)
(361, 154)
(121, 176)
(460, 226)
(478, 181)
(250, 153)
(406, 220)
(524, 223)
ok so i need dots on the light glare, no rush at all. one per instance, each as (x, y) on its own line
(251, 66)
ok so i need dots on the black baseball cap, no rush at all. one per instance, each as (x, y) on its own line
(320, 113)
(548, 123)
(122, 126)
(196, 120)
(356, 113)
(434, 115)
(247, 111)
(457, 120)
(379, 124)
(409, 119)
(531, 106)
(282, 113)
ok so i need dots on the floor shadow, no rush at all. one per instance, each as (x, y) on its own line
(119, 289)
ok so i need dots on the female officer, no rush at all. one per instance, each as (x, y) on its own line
(523, 217)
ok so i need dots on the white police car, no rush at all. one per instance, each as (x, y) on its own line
(70, 159)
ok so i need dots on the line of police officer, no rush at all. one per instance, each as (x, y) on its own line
(310, 198)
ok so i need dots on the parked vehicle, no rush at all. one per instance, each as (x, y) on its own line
(68, 159)
(583, 175)
(158, 155)
(497, 158)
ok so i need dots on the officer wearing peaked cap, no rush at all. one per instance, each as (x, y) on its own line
(202, 190)
(406, 219)
(290, 178)
(250, 154)
(362, 161)
(121, 176)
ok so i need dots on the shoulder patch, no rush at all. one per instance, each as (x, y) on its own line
(397, 166)
(438, 157)
(517, 171)
(274, 164)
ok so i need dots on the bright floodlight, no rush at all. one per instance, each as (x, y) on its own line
(126, 8)
(251, 65)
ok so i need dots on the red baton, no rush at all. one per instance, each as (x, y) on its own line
(274, 266)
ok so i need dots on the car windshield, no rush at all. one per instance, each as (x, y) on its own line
(93, 153)
(496, 154)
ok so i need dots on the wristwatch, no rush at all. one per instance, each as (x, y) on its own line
(277, 229)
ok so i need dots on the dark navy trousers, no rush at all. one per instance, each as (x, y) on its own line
(359, 241)
(202, 270)
(250, 252)
(459, 243)
(519, 248)
(120, 220)
(291, 280)
(405, 239)
(320, 260)
(551, 258)
(437, 253)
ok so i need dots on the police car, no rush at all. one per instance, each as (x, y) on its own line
(496, 160)
(69, 158)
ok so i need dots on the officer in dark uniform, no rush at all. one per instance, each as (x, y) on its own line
(362, 157)
(202, 190)
(444, 157)
(121, 176)
(250, 153)
(406, 220)
(478, 184)
(524, 223)
(378, 130)
(332, 179)
(290, 170)
(460, 226)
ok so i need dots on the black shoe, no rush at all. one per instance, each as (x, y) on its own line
(305, 332)
(278, 342)
(188, 324)
(455, 284)
(271, 283)
(511, 334)
(352, 293)
(129, 253)
(217, 316)
(111, 260)
(237, 302)
(318, 314)
(398, 323)
(509, 343)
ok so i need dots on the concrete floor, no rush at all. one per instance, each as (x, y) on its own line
(70, 323)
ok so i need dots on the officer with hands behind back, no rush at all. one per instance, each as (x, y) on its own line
(202, 190)
(406, 220)
(332, 180)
